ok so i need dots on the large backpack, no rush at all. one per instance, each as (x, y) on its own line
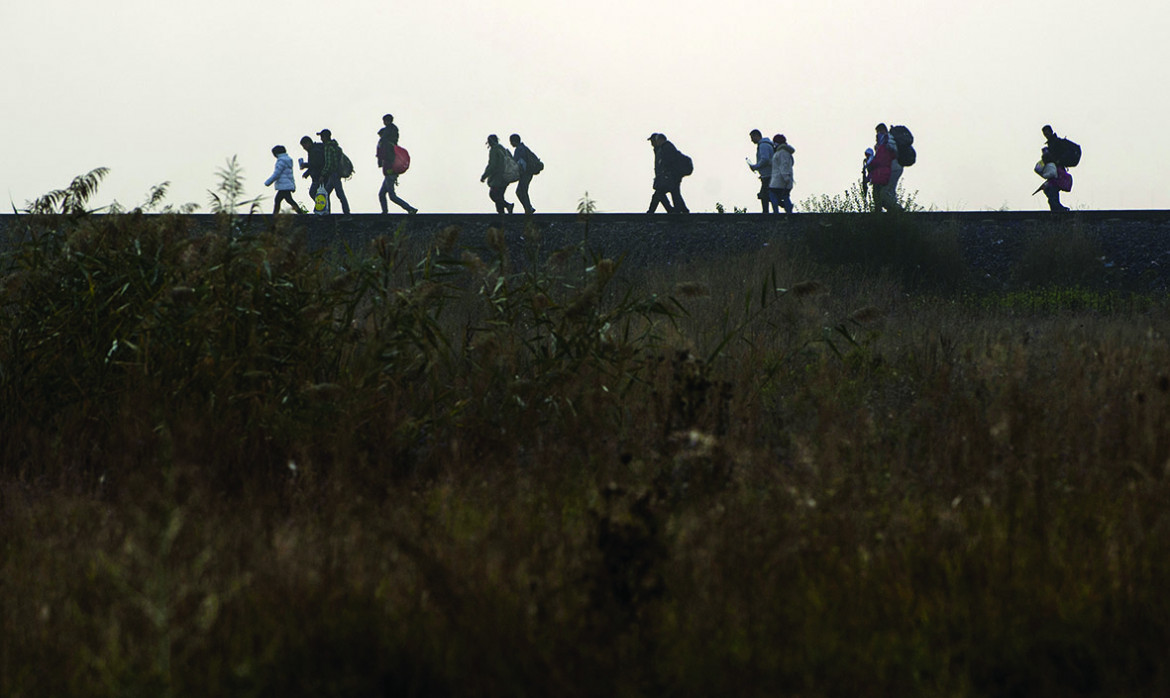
(535, 166)
(511, 168)
(905, 142)
(345, 170)
(401, 160)
(685, 165)
(1068, 154)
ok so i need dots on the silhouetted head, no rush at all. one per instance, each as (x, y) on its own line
(755, 135)
(387, 119)
(514, 139)
(493, 139)
(779, 139)
(278, 150)
(881, 128)
(325, 134)
(1047, 131)
(306, 142)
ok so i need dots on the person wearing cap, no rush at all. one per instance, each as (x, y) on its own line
(387, 139)
(496, 176)
(780, 185)
(667, 176)
(312, 166)
(331, 169)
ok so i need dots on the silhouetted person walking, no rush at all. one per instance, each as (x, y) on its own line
(285, 180)
(1056, 179)
(498, 174)
(762, 166)
(530, 166)
(780, 186)
(331, 169)
(312, 167)
(880, 166)
(668, 174)
(387, 140)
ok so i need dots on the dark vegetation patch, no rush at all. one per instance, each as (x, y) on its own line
(232, 465)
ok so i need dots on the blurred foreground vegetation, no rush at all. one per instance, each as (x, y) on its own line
(231, 467)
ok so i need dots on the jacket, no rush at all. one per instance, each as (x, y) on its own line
(666, 166)
(283, 174)
(332, 159)
(881, 164)
(782, 167)
(387, 139)
(316, 161)
(495, 167)
(764, 152)
(524, 157)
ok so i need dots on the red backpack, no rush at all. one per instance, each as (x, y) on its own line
(401, 160)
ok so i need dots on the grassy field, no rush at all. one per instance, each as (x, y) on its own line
(230, 467)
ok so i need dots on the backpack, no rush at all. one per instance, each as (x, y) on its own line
(535, 167)
(511, 168)
(401, 160)
(685, 165)
(1068, 154)
(345, 170)
(905, 142)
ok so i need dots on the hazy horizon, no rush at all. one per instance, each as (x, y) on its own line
(168, 93)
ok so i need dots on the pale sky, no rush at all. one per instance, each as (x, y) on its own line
(159, 90)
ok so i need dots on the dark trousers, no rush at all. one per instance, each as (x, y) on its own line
(333, 184)
(1053, 194)
(522, 193)
(781, 199)
(497, 195)
(659, 197)
(387, 190)
(763, 195)
(680, 206)
(284, 195)
(675, 203)
(313, 184)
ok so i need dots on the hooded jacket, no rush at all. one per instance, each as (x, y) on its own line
(495, 167)
(764, 152)
(283, 174)
(782, 167)
(666, 166)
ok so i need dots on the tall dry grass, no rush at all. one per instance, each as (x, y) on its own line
(231, 467)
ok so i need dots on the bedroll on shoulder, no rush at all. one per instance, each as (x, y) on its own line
(905, 142)
(401, 160)
(1068, 154)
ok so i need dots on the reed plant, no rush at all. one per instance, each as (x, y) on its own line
(234, 467)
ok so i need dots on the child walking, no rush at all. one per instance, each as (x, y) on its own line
(285, 180)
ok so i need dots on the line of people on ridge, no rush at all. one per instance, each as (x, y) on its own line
(328, 165)
(893, 151)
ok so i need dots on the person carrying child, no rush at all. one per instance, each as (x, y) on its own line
(1056, 179)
